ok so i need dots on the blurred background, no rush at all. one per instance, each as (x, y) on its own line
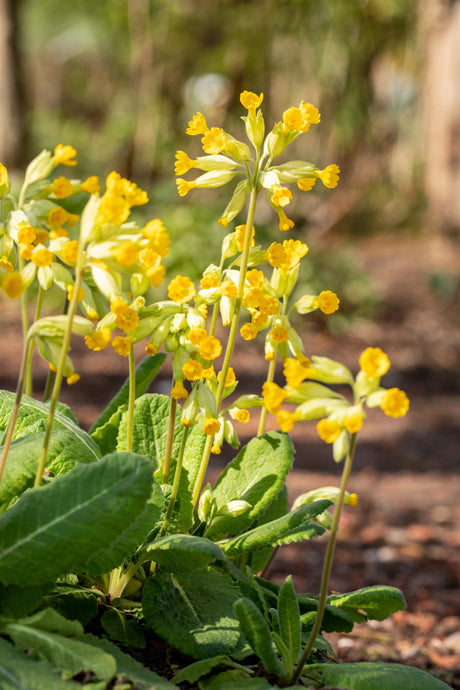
(120, 79)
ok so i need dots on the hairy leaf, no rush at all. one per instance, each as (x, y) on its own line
(193, 611)
(122, 629)
(91, 509)
(182, 553)
(370, 676)
(294, 526)
(276, 509)
(256, 475)
(289, 619)
(234, 680)
(258, 634)
(376, 603)
(75, 603)
(145, 373)
(195, 671)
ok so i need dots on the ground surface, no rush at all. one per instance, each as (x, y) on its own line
(405, 529)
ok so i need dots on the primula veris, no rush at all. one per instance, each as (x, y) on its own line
(330, 176)
(61, 187)
(181, 289)
(91, 185)
(395, 403)
(273, 396)
(12, 284)
(4, 181)
(122, 345)
(328, 430)
(99, 339)
(328, 302)
(197, 125)
(192, 370)
(64, 155)
(374, 362)
(295, 371)
(211, 426)
(251, 101)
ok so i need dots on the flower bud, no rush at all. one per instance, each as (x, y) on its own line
(340, 446)
(39, 167)
(235, 508)
(255, 129)
(139, 284)
(237, 149)
(235, 204)
(205, 504)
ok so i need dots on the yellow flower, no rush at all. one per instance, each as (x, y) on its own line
(6, 263)
(255, 278)
(328, 430)
(12, 284)
(279, 334)
(25, 252)
(216, 448)
(209, 372)
(42, 257)
(240, 233)
(285, 223)
(352, 500)
(248, 331)
(178, 391)
(41, 235)
(4, 181)
(26, 234)
(253, 297)
(243, 416)
(73, 378)
(63, 155)
(294, 371)
(192, 370)
(70, 291)
(99, 339)
(69, 252)
(151, 349)
(294, 251)
(181, 289)
(328, 302)
(310, 114)
(210, 348)
(197, 125)
(230, 379)
(395, 403)
(286, 420)
(197, 335)
(122, 346)
(61, 187)
(281, 196)
(306, 183)
(214, 141)
(157, 236)
(113, 209)
(374, 362)
(251, 101)
(183, 163)
(330, 176)
(57, 216)
(155, 274)
(91, 185)
(127, 318)
(276, 255)
(293, 119)
(353, 423)
(273, 396)
(268, 305)
(211, 426)
(183, 186)
(126, 254)
(149, 257)
(228, 289)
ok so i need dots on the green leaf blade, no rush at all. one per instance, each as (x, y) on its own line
(289, 619)
(258, 634)
(370, 676)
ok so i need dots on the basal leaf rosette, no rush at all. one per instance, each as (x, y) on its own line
(229, 158)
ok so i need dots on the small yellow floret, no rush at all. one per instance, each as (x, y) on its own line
(192, 370)
(64, 155)
(286, 420)
(353, 423)
(73, 378)
(181, 289)
(12, 285)
(214, 141)
(26, 234)
(330, 176)
(42, 257)
(210, 348)
(183, 186)
(178, 391)
(328, 430)
(328, 302)
(230, 379)
(99, 339)
(243, 416)
(57, 216)
(306, 183)
(122, 346)
(251, 101)
(211, 426)
(248, 331)
(91, 185)
(151, 349)
(374, 362)
(295, 372)
(197, 125)
(183, 163)
(273, 396)
(281, 196)
(279, 334)
(395, 403)
(240, 235)
(61, 187)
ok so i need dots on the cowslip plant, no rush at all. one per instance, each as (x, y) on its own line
(114, 530)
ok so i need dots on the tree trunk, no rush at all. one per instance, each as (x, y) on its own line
(12, 130)
(440, 27)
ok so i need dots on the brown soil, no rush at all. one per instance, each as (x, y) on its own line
(405, 529)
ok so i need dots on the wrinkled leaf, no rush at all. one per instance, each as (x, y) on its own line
(256, 631)
(376, 603)
(181, 553)
(370, 676)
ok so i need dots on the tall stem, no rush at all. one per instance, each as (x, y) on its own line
(327, 562)
(17, 403)
(263, 410)
(231, 338)
(169, 440)
(175, 486)
(131, 399)
(38, 309)
(61, 364)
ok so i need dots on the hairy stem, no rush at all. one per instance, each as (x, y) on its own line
(327, 562)
(169, 440)
(17, 402)
(263, 410)
(131, 399)
(231, 338)
(38, 309)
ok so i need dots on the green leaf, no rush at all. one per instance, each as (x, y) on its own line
(52, 636)
(182, 553)
(277, 508)
(18, 671)
(370, 676)
(91, 508)
(289, 619)
(195, 671)
(294, 526)
(18, 601)
(234, 680)
(375, 603)
(33, 417)
(75, 603)
(130, 669)
(255, 629)
(193, 611)
(66, 450)
(150, 430)
(121, 629)
(256, 475)
(145, 373)
(106, 435)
